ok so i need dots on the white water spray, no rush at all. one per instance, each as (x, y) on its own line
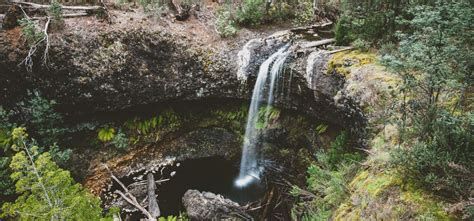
(250, 169)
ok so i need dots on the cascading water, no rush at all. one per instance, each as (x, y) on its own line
(250, 168)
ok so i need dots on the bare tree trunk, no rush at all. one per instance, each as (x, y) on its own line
(153, 207)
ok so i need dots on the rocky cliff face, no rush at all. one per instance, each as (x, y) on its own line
(107, 70)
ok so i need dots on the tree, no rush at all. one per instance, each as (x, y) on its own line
(435, 62)
(375, 21)
(46, 192)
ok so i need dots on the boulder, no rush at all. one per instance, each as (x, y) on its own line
(210, 206)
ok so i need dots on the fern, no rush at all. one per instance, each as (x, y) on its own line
(321, 128)
(106, 134)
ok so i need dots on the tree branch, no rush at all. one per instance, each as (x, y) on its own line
(127, 196)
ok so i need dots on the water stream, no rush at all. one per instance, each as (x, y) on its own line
(263, 94)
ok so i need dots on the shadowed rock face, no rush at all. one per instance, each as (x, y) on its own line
(111, 70)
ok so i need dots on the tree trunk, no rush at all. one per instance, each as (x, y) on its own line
(153, 207)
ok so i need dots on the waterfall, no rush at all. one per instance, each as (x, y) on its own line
(250, 169)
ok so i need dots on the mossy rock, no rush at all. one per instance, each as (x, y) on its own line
(340, 62)
(384, 196)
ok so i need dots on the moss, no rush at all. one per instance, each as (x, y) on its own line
(340, 62)
(359, 178)
(378, 189)
(347, 212)
(374, 184)
(426, 207)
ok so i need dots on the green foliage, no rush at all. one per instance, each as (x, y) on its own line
(342, 31)
(171, 119)
(6, 184)
(373, 21)
(38, 114)
(321, 128)
(339, 153)
(327, 181)
(6, 126)
(56, 11)
(106, 134)
(251, 12)
(168, 120)
(279, 11)
(443, 163)
(361, 45)
(30, 31)
(155, 6)
(434, 60)
(305, 13)
(145, 126)
(266, 116)
(46, 192)
(225, 24)
(233, 116)
(120, 140)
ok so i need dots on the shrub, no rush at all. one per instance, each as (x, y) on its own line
(280, 11)
(387, 48)
(304, 13)
(443, 163)
(342, 31)
(251, 12)
(361, 45)
(56, 11)
(38, 114)
(29, 31)
(327, 181)
(225, 25)
(120, 140)
(155, 6)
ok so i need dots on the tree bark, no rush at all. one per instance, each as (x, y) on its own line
(153, 207)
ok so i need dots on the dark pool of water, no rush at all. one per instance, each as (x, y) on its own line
(214, 174)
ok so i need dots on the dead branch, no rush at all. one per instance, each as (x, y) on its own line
(340, 50)
(65, 7)
(46, 39)
(28, 61)
(127, 196)
(145, 182)
(69, 15)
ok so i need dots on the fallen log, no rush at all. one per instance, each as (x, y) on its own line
(318, 43)
(153, 207)
(318, 27)
(64, 7)
(69, 15)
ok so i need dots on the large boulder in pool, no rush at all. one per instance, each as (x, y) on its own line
(210, 206)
